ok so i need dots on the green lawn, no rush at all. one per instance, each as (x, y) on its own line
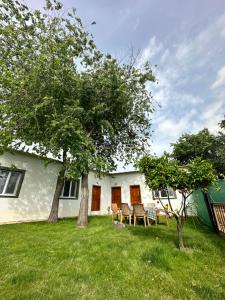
(42, 261)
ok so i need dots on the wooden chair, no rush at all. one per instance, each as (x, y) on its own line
(125, 212)
(115, 211)
(140, 213)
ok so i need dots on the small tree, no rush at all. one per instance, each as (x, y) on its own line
(163, 172)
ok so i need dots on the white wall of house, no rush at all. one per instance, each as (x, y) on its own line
(38, 187)
(70, 207)
(127, 179)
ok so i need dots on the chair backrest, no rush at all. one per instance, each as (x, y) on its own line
(114, 208)
(150, 205)
(125, 209)
(139, 210)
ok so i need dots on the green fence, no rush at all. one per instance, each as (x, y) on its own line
(216, 195)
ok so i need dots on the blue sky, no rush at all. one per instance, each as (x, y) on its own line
(185, 39)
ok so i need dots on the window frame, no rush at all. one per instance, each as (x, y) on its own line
(76, 191)
(18, 183)
(166, 197)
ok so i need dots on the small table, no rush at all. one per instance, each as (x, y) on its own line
(152, 213)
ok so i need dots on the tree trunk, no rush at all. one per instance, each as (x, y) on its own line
(83, 213)
(53, 217)
(180, 224)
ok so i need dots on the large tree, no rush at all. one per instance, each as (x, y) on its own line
(222, 123)
(163, 172)
(61, 96)
(116, 107)
(202, 144)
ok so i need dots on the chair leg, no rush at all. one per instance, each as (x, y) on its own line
(145, 222)
(148, 221)
(130, 220)
(121, 218)
(134, 221)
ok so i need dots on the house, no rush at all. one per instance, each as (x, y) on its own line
(27, 187)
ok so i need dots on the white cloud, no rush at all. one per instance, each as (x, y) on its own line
(159, 148)
(214, 113)
(149, 52)
(136, 24)
(222, 32)
(220, 80)
(189, 102)
(174, 127)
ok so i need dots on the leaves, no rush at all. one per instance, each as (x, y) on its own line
(163, 171)
(59, 94)
(204, 145)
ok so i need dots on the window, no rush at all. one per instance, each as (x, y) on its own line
(163, 193)
(10, 182)
(70, 189)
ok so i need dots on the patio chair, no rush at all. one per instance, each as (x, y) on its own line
(125, 213)
(140, 213)
(115, 211)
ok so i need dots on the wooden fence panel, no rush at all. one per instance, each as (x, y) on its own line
(219, 210)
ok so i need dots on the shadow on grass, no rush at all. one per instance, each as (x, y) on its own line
(207, 292)
(196, 235)
(158, 257)
(160, 232)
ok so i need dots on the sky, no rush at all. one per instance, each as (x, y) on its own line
(184, 41)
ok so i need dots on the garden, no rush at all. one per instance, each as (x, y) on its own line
(61, 261)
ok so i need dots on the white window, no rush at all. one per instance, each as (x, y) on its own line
(163, 193)
(70, 189)
(10, 182)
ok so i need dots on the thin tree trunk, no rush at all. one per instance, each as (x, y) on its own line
(180, 224)
(83, 213)
(53, 217)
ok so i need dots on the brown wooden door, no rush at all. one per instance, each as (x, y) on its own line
(135, 194)
(116, 195)
(96, 198)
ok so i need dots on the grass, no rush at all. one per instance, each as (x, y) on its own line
(42, 261)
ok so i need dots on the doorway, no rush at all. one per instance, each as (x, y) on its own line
(96, 198)
(135, 194)
(116, 195)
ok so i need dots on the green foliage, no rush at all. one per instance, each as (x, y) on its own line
(158, 171)
(201, 174)
(222, 123)
(60, 95)
(163, 171)
(204, 145)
